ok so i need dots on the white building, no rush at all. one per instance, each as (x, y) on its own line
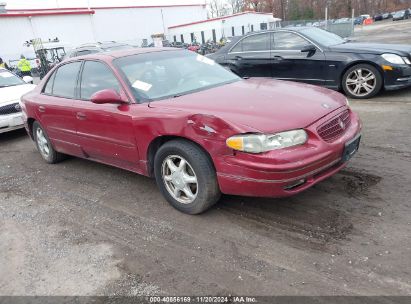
(216, 28)
(75, 25)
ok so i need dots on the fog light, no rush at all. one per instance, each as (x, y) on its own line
(294, 184)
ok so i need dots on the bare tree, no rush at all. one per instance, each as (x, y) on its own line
(237, 6)
(315, 9)
(217, 8)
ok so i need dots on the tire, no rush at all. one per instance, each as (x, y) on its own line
(191, 188)
(49, 154)
(356, 85)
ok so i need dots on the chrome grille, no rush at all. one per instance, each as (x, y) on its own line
(336, 127)
(10, 109)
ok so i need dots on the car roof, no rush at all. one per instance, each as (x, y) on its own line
(102, 44)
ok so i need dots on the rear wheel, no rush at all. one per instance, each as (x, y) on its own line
(362, 81)
(186, 176)
(44, 145)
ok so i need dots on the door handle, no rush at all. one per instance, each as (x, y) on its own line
(238, 57)
(42, 109)
(81, 116)
(277, 58)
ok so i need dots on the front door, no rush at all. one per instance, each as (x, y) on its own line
(105, 131)
(251, 56)
(290, 62)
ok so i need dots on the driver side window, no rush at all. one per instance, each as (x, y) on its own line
(288, 41)
(96, 76)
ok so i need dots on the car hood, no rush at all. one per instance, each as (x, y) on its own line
(13, 93)
(373, 48)
(260, 104)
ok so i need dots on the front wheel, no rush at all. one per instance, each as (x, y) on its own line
(362, 81)
(186, 176)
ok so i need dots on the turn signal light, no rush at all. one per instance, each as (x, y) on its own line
(235, 143)
(387, 68)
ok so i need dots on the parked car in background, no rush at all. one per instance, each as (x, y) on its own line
(378, 17)
(12, 88)
(401, 15)
(359, 20)
(199, 129)
(98, 47)
(387, 16)
(319, 57)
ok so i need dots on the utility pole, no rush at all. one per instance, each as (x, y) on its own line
(352, 21)
(326, 17)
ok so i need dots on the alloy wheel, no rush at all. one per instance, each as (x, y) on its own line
(180, 179)
(361, 82)
(42, 143)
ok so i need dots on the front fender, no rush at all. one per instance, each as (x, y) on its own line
(208, 131)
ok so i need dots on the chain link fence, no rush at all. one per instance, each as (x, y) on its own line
(219, 33)
(342, 27)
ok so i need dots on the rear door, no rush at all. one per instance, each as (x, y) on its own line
(55, 108)
(290, 63)
(105, 131)
(251, 56)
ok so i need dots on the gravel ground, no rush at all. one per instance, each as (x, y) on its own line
(387, 31)
(82, 228)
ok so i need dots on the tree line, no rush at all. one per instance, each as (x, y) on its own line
(306, 9)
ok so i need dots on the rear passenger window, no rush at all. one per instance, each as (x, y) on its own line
(96, 76)
(66, 79)
(259, 42)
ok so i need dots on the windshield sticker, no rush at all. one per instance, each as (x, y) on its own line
(206, 60)
(6, 74)
(141, 85)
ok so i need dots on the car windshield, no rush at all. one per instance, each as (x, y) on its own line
(160, 75)
(322, 37)
(8, 79)
(399, 14)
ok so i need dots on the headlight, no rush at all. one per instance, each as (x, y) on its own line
(258, 143)
(407, 61)
(392, 58)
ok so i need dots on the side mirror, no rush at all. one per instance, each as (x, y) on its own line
(107, 96)
(28, 79)
(309, 49)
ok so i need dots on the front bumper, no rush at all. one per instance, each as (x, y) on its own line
(398, 78)
(11, 122)
(285, 172)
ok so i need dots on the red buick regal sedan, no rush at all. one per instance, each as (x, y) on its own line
(196, 127)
